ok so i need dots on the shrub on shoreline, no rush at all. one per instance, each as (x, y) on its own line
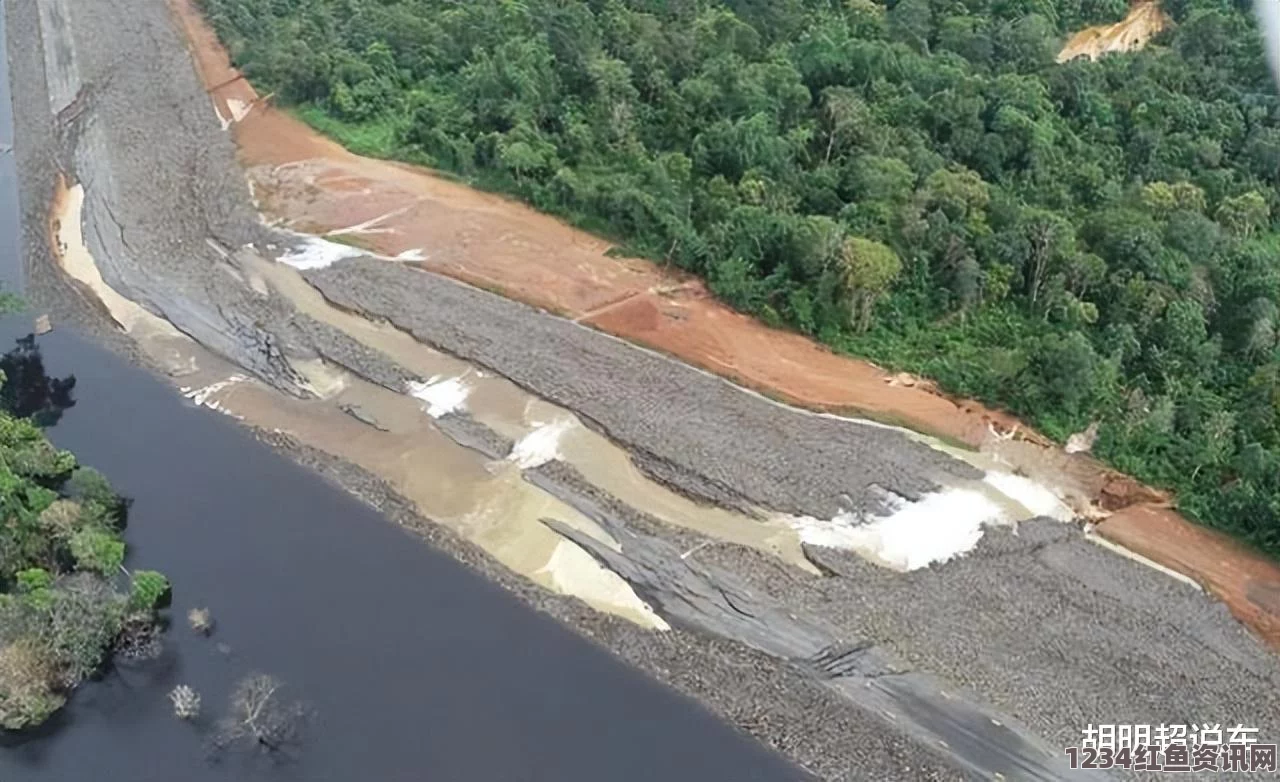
(65, 603)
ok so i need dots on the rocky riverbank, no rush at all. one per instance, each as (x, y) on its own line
(439, 401)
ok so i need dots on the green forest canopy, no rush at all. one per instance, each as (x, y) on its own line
(63, 607)
(917, 182)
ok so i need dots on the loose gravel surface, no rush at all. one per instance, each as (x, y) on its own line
(688, 428)
(39, 149)
(161, 185)
(1048, 627)
(782, 705)
(1041, 625)
(162, 190)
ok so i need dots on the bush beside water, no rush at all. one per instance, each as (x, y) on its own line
(66, 599)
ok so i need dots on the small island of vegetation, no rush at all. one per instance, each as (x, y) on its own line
(66, 600)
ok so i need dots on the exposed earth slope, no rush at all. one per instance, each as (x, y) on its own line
(682, 508)
(1144, 21)
(308, 183)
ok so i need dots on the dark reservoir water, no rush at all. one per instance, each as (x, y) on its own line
(417, 668)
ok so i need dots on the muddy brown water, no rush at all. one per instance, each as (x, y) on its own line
(417, 668)
(312, 184)
(394, 436)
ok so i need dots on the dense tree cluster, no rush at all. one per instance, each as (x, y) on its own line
(917, 181)
(62, 604)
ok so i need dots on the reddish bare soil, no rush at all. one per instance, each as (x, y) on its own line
(1245, 581)
(689, 323)
(1144, 21)
(312, 184)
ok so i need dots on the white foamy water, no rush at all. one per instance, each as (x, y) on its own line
(314, 253)
(541, 445)
(441, 396)
(201, 396)
(940, 527)
(832, 533)
(1037, 499)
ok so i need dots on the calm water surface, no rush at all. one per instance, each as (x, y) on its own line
(418, 669)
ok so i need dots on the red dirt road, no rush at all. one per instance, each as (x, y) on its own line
(1245, 581)
(312, 184)
(318, 187)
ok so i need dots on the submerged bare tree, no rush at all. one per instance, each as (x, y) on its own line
(260, 717)
(200, 620)
(186, 702)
